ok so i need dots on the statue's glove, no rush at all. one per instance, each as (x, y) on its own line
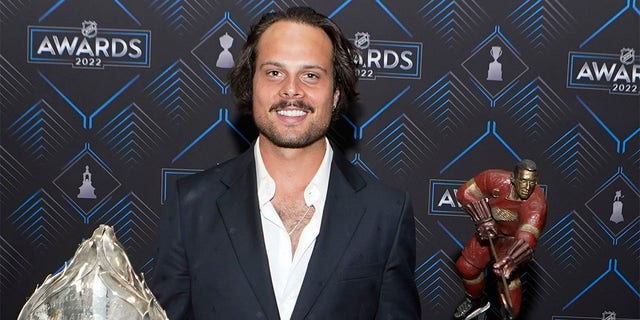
(480, 213)
(518, 253)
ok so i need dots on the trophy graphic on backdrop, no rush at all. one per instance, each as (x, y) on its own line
(616, 213)
(98, 283)
(495, 67)
(225, 58)
(87, 191)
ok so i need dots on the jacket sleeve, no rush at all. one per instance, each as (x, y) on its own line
(171, 281)
(398, 295)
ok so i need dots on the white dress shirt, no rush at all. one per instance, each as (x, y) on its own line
(287, 268)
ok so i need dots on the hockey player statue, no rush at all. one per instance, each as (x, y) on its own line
(509, 212)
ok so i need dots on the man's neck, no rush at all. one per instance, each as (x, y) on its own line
(295, 166)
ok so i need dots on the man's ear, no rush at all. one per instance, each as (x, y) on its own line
(336, 98)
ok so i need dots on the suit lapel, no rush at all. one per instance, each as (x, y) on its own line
(240, 213)
(342, 215)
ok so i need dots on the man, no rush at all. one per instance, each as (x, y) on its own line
(289, 229)
(509, 210)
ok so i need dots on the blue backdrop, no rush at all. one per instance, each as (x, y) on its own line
(105, 104)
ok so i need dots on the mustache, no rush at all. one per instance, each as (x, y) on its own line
(295, 103)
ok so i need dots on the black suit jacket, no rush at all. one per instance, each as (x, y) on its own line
(212, 263)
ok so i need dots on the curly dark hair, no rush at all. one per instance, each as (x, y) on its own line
(344, 53)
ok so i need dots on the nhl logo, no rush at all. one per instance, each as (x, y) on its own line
(627, 55)
(608, 315)
(361, 40)
(89, 29)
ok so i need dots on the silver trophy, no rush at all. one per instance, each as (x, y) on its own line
(495, 67)
(98, 284)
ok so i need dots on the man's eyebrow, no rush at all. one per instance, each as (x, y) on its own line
(271, 63)
(315, 66)
(304, 67)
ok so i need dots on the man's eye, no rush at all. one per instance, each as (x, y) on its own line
(273, 73)
(311, 76)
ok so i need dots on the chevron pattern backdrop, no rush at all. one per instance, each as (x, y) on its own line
(131, 94)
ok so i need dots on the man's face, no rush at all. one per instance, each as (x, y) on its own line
(524, 183)
(293, 89)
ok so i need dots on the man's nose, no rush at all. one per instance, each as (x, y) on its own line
(291, 89)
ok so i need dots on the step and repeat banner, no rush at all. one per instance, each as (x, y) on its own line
(106, 103)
